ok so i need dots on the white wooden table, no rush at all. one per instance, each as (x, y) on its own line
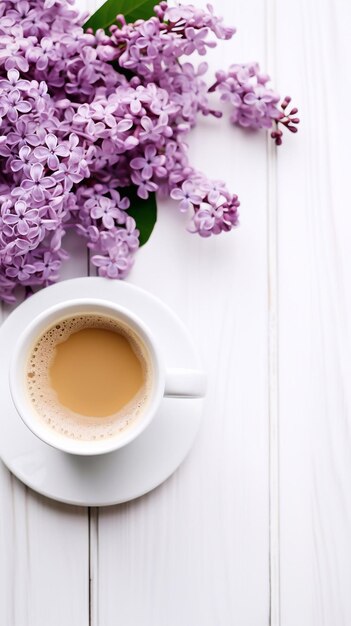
(255, 527)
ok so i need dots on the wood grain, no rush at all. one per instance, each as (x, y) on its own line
(44, 572)
(313, 45)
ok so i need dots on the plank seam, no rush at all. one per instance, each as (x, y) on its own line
(93, 536)
(89, 565)
(273, 339)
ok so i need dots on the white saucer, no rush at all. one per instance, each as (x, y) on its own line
(131, 471)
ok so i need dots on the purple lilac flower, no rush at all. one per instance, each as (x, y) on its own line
(195, 41)
(187, 196)
(68, 175)
(23, 159)
(214, 189)
(13, 80)
(51, 151)
(144, 185)
(20, 270)
(136, 98)
(13, 105)
(48, 266)
(150, 37)
(112, 265)
(149, 163)
(22, 218)
(23, 132)
(104, 208)
(37, 182)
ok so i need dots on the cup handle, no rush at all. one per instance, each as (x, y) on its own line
(185, 383)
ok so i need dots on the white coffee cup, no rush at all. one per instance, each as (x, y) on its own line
(176, 383)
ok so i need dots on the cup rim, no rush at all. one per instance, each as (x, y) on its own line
(27, 413)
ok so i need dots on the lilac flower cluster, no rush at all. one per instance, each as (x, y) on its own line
(84, 116)
(253, 104)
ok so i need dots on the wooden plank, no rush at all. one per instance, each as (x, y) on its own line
(195, 551)
(315, 307)
(87, 6)
(273, 365)
(44, 546)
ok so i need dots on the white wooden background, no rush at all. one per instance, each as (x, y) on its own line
(255, 527)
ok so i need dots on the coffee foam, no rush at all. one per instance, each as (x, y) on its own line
(44, 399)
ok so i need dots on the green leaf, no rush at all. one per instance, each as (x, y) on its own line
(131, 9)
(143, 211)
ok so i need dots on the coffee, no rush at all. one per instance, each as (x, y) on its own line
(88, 376)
